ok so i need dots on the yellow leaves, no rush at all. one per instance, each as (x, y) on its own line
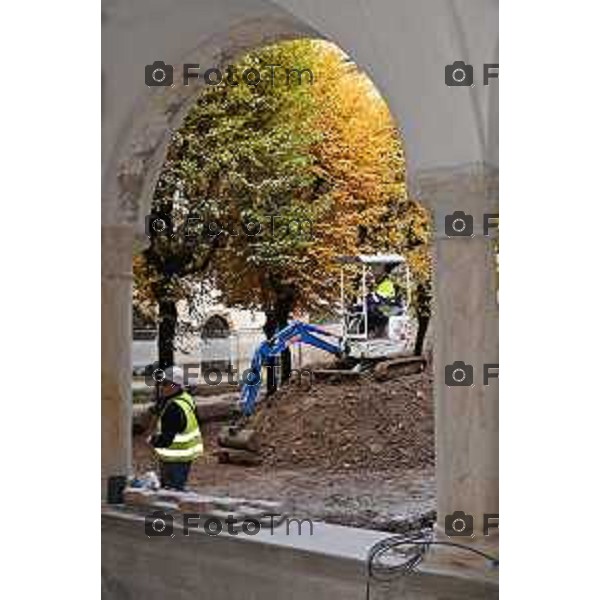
(360, 156)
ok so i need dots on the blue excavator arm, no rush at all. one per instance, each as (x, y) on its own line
(294, 332)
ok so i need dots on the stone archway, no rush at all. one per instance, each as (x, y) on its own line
(449, 136)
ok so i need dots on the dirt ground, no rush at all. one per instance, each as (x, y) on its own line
(357, 453)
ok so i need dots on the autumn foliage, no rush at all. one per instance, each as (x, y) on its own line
(328, 152)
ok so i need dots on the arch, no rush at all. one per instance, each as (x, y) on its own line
(215, 326)
(449, 136)
(222, 313)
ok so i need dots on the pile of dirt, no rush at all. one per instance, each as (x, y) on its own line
(364, 424)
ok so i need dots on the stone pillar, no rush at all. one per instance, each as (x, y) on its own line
(117, 248)
(466, 329)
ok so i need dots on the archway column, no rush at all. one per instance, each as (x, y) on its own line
(465, 329)
(116, 367)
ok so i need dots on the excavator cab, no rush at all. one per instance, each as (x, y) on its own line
(374, 300)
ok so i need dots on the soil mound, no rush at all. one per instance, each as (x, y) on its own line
(364, 424)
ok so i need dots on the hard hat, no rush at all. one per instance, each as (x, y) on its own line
(174, 375)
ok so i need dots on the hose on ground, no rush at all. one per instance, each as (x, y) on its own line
(413, 549)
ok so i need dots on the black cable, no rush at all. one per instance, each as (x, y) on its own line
(421, 544)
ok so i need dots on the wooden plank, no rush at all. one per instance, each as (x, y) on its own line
(244, 439)
(407, 365)
(237, 457)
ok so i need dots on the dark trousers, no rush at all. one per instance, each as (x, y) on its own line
(173, 475)
(377, 321)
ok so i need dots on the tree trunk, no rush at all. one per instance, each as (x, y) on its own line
(423, 310)
(167, 326)
(277, 318)
(286, 357)
(269, 329)
(423, 321)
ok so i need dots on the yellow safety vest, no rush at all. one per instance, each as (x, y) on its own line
(186, 446)
(386, 289)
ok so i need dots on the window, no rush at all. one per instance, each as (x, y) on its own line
(215, 327)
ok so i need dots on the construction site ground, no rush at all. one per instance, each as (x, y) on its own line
(357, 452)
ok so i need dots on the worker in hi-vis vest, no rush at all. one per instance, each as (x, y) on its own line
(386, 288)
(389, 300)
(177, 440)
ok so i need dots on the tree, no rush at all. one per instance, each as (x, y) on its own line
(270, 176)
(347, 177)
(326, 152)
(360, 162)
(241, 151)
(165, 273)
